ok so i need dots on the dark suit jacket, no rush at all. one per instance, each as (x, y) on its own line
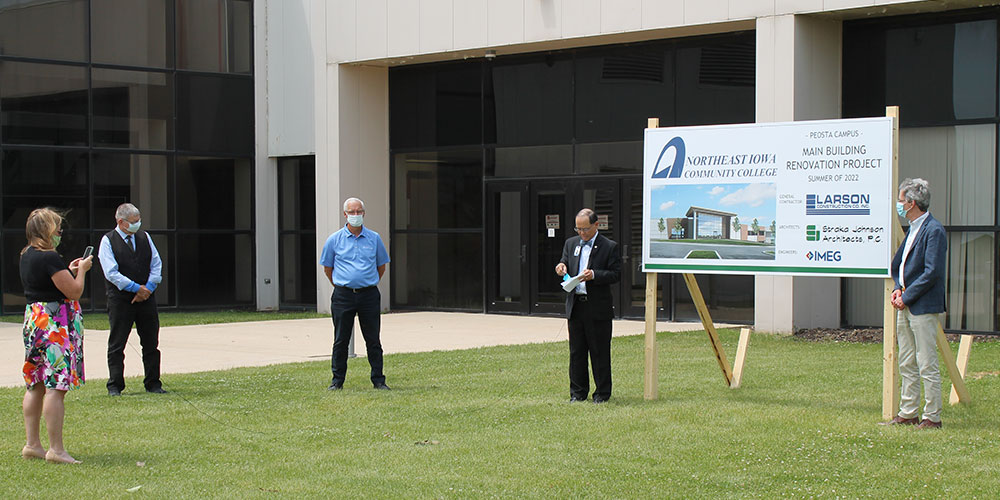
(606, 262)
(925, 267)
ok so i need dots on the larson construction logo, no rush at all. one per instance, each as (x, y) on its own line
(674, 170)
(838, 204)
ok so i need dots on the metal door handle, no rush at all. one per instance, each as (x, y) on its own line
(524, 253)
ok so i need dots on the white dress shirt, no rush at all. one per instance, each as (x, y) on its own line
(911, 236)
(585, 248)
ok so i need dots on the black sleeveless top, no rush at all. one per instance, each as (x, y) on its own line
(37, 269)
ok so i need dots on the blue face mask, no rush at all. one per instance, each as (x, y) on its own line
(134, 227)
(900, 209)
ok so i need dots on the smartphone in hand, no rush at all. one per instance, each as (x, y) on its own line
(87, 251)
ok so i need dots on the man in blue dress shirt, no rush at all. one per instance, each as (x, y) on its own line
(354, 259)
(132, 270)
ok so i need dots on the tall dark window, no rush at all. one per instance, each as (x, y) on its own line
(133, 109)
(214, 35)
(437, 229)
(54, 29)
(941, 71)
(132, 33)
(110, 101)
(455, 128)
(297, 231)
(212, 114)
(43, 104)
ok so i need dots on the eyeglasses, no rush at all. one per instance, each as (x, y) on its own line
(355, 212)
(583, 229)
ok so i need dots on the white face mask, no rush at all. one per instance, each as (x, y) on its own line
(356, 220)
(134, 226)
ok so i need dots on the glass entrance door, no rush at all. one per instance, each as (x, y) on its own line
(527, 224)
(554, 205)
(551, 222)
(507, 247)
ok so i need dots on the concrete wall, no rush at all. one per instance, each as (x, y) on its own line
(265, 172)
(352, 143)
(290, 110)
(284, 120)
(404, 30)
(798, 78)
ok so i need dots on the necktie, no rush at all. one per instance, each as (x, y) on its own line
(128, 241)
(585, 250)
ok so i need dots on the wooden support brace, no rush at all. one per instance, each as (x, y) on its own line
(741, 357)
(957, 382)
(650, 374)
(706, 321)
(963, 363)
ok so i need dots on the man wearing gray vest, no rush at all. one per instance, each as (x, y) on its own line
(132, 270)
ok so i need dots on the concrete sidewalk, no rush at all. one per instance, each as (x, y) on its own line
(187, 349)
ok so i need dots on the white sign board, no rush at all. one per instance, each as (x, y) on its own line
(798, 198)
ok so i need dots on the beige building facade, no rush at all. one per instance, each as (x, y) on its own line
(340, 97)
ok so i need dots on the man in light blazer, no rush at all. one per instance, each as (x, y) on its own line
(918, 270)
(589, 306)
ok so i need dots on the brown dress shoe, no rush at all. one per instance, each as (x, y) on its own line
(928, 424)
(897, 420)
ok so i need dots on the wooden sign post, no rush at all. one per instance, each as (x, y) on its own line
(650, 376)
(890, 362)
(732, 375)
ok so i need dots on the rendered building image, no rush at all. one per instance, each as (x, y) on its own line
(471, 129)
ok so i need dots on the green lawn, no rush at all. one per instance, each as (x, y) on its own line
(98, 320)
(496, 422)
(703, 254)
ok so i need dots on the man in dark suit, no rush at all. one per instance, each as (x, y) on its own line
(918, 269)
(589, 307)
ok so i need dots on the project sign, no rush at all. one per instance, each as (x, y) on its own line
(796, 198)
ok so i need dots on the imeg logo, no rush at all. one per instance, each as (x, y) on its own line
(826, 256)
(673, 171)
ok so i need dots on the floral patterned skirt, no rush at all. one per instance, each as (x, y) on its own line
(53, 345)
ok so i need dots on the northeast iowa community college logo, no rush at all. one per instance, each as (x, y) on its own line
(670, 171)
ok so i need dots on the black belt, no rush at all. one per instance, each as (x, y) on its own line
(582, 297)
(356, 290)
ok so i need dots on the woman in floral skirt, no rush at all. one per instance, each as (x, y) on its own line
(53, 333)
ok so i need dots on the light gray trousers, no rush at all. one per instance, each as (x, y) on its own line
(918, 360)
